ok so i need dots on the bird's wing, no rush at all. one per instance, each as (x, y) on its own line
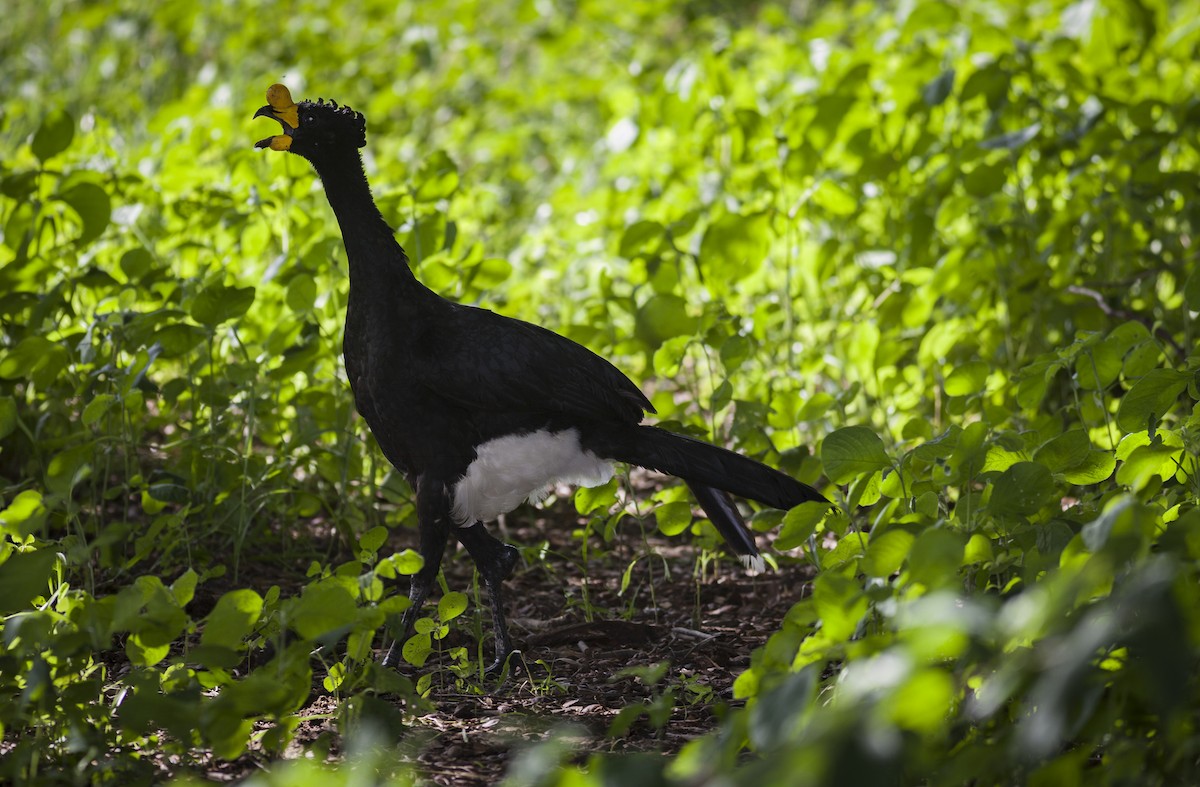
(484, 361)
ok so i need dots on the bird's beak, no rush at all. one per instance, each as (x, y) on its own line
(280, 107)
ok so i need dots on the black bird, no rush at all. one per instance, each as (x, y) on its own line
(481, 412)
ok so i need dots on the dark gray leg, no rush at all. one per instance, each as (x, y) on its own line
(433, 520)
(495, 561)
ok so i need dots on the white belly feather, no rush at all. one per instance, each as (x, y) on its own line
(514, 468)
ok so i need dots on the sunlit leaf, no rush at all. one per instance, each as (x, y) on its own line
(54, 135)
(852, 451)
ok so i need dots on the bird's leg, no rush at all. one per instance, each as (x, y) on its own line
(495, 560)
(433, 520)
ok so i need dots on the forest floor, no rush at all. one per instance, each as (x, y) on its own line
(579, 639)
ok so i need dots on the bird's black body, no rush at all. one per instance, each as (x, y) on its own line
(456, 395)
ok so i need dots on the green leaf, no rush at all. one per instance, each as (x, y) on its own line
(673, 518)
(1014, 140)
(1151, 398)
(94, 207)
(404, 563)
(417, 649)
(935, 557)
(887, 552)
(451, 605)
(24, 515)
(490, 272)
(938, 90)
(96, 409)
(1065, 451)
(8, 416)
(1021, 490)
(1097, 466)
(67, 468)
(219, 303)
(835, 198)
(970, 378)
(54, 135)
(184, 588)
(36, 359)
(232, 619)
(662, 317)
(852, 451)
(589, 499)
(373, 539)
(1191, 290)
(24, 576)
(301, 293)
(642, 238)
(800, 523)
(734, 246)
(322, 609)
(840, 602)
(437, 177)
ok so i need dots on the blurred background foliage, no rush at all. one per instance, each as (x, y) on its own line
(938, 253)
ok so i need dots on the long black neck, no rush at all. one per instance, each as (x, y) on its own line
(371, 248)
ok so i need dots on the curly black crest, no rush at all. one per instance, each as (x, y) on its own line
(341, 122)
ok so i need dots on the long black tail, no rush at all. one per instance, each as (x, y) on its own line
(704, 464)
(710, 472)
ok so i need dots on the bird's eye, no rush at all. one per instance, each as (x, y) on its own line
(308, 119)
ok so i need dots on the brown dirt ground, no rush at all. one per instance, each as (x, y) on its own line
(570, 683)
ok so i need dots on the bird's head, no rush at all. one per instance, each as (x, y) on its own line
(311, 128)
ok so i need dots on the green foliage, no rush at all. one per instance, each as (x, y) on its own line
(938, 253)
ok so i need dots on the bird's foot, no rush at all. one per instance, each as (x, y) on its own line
(509, 663)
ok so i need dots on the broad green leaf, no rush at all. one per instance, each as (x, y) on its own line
(1150, 399)
(642, 238)
(232, 619)
(673, 518)
(936, 556)
(670, 354)
(733, 247)
(970, 378)
(451, 605)
(54, 135)
(887, 552)
(490, 272)
(840, 603)
(1191, 290)
(924, 703)
(1021, 490)
(23, 576)
(938, 90)
(8, 416)
(36, 359)
(662, 317)
(835, 198)
(183, 589)
(1014, 140)
(92, 204)
(301, 293)
(96, 409)
(852, 451)
(373, 539)
(405, 563)
(1097, 466)
(219, 303)
(24, 516)
(800, 523)
(437, 177)
(589, 499)
(67, 468)
(322, 609)
(1065, 451)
